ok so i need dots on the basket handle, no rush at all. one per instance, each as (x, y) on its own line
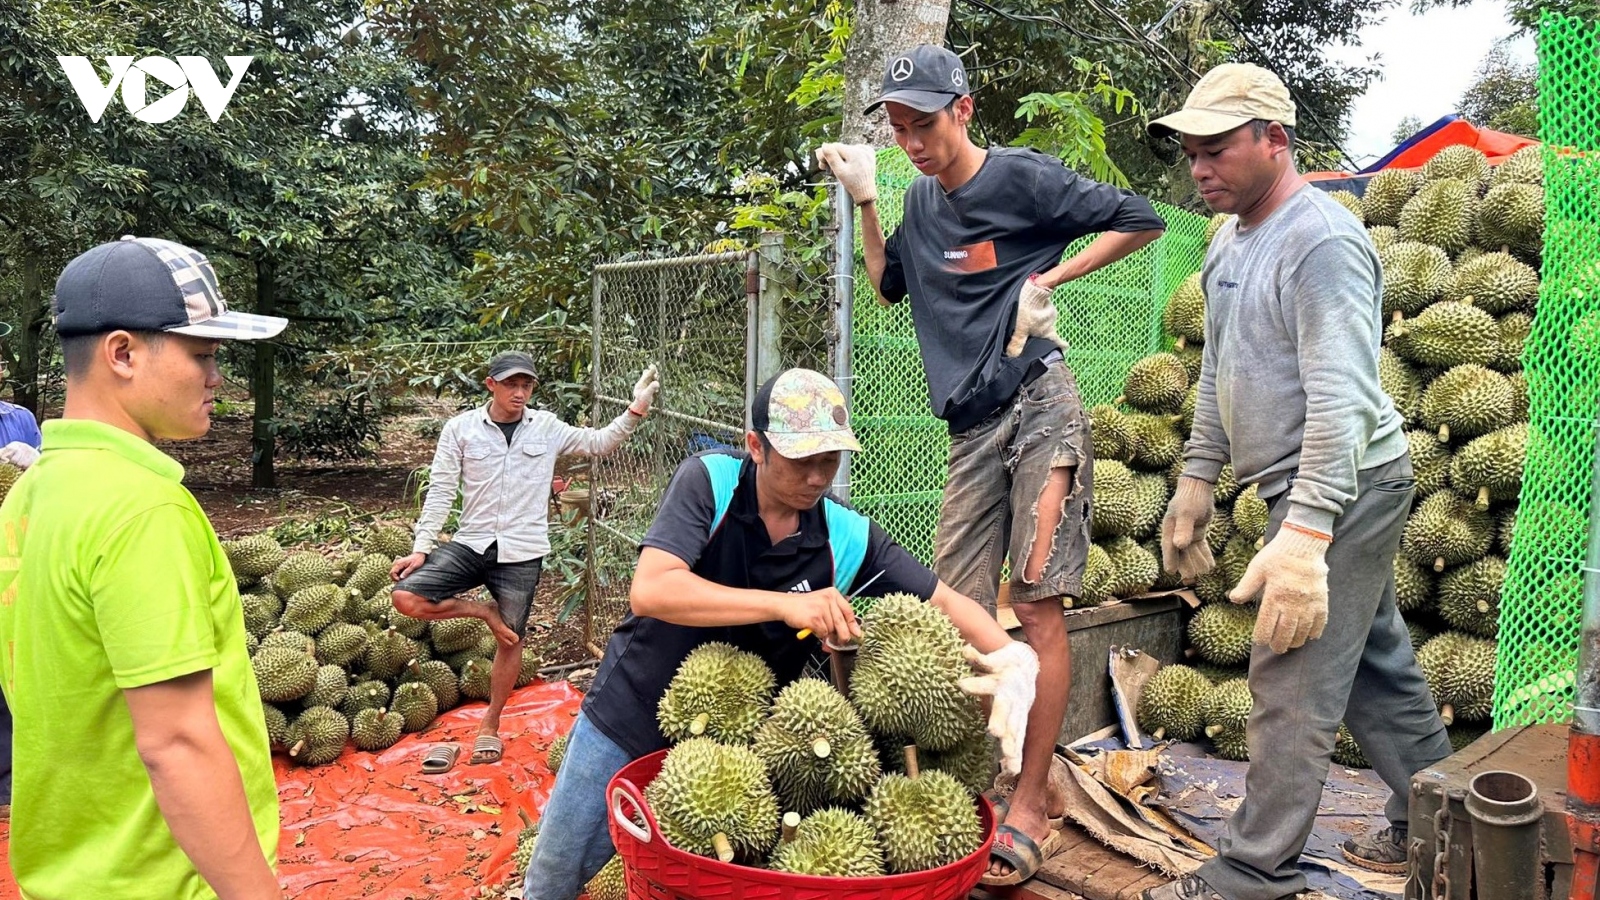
(625, 791)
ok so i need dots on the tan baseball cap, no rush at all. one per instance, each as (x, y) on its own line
(1229, 96)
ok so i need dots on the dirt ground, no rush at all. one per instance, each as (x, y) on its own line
(329, 504)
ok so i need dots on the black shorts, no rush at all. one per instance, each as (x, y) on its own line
(453, 569)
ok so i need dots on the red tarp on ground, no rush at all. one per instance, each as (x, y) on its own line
(372, 826)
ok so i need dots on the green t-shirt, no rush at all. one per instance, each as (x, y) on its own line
(111, 578)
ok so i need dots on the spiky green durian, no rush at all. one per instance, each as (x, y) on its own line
(610, 883)
(1430, 462)
(1467, 401)
(317, 736)
(388, 541)
(1098, 575)
(277, 726)
(719, 691)
(1469, 596)
(1223, 633)
(1226, 715)
(1351, 202)
(835, 843)
(1346, 752)
(1465, 164)
(1152, 494)
(1383, 236)
(709, 794)
(1443, 213)
(1414, 275)
(283, 673)
(1489, 468)
(1250, 514)
(416, 704)
(1110, 434)
(1445, 530)
(1413, 584)
(1169, 704)
(1514, 329)
(906, 674)
(1156, 383)
(1387, 193)
(1460, 671)
(365, 695)
(816, 748)
(375, 729)
(455, 635)
(1449, 333)
(312, 609)
(1158, 443)
(557, 753)
(331, 688)
(1134, 570)
(1185, 315)
(1496, 283)
(255, 556)
(1114, 507)
(341, 643)
(389, 652)
(439, 678)
(1512, 215)
(924, 820)
(1401, 383)
(1215, 225)
(1526, 166)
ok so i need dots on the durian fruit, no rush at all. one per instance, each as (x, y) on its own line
(1447, 334)
(251, 645)
(1351, 202)
(255, 556)
(1415, 275)
(1251, 515)
(1462, 736)
(1158, 443)
(1226, 715)
(1220, 530)
(1460, 162)
(300, 571)
(1504, 530)
(1383, 236)
(341, 644)
(1469, 596)
(365, 695)
(413, 628)
(260, 613)
(1110, 435)
(439, 678)
(972, 762)
(609, 883)
(924, 820)
(1215, 224)
(1387, 193)
(1401, 383)
(331, 688)
(1413, 584)
(719, 691)
(416, 705)
(1526, 166)
(1185, 315)
(1236, 557)
(277, 726)
(317, 736)
(714, 799)
(1212, 587)
(816, 748)
(1430, 462)
(529, 670)
(1223, 633)
(1114, 506)
(1419, 635)
(1098, 574)
(344, 566)
(1443, 213)
(527, 838)
(455, 635)
(906, 674)
(1512, 215)
(1134, 570)
(1519, 396)
(1489, 468)
(1514, 331)
(557, 752)
(1156, 383)
(312, 609)
(1496, 283)
(1227, 486)
(1467, 401)
(1192, 357)
(389, 652)
(1460, 672)
(290, 640)
(1445, 530)
(476, 679)
(375, 729)
(1218, 674)
(370, 574)
(1346, 752)
(1169, 705)
(388, 541)
(834, 842)
(283, 673)
(1152, 494)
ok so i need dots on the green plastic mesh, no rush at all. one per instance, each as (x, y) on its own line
(1110, 319)
(1540, 609)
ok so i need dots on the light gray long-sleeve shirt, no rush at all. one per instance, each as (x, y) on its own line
(1289, 387)
(505, 490)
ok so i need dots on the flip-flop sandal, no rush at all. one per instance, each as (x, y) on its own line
(486, 749)
(1001, 804)
(441, 759)
(1020, 852)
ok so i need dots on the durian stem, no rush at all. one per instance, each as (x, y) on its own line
(723, 847)
(1190, 653)
(1181, 343)
(912, 771)
(1159, 734)
(414, 667)
(697, 726)
(522, 814)
(1444, 434)
(1261, 542)
(1213, 730)
(1483, 498)
(1483, 606)
(821, 748)
(791, 823)
(298, 746)
(1447, 714)
(1438, 564)
(1121, 399)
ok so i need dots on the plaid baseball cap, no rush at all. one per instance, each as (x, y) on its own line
(511, 362)
(802, 413)
(925, 78)
(148, 284)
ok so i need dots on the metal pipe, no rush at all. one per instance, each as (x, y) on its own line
(844, 289)
(1506, 815)
(721, 427)
(676, 262)
(1583, 737)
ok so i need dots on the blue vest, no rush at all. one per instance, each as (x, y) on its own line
(847, 529)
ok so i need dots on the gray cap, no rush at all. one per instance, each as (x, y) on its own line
(512, 362)
(925, 78)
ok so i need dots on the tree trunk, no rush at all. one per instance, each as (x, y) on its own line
(30, 334)
(262, 441)
(881, 29)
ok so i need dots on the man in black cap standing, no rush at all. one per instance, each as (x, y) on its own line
(501, 458)
(978, 252)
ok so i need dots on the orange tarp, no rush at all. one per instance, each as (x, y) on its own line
(372, 826)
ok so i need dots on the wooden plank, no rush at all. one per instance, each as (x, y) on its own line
(1150, 880)
(1088, 868)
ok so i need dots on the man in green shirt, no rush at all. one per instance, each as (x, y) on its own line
(142, 768)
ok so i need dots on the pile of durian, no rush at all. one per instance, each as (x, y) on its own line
(1460, 244)
(335, 662)
(812, 782)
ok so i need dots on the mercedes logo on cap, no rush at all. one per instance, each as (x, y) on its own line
(902, 69)
(955, 77)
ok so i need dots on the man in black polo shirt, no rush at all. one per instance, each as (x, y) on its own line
(748, 549)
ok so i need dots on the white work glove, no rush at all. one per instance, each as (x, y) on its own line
(1036, 317)
(1292, 577)
(644, 391)
(1184, 550)
(19, 454)
(1008, 676)
(856, 167)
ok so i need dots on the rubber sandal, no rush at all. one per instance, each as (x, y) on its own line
(1021, 853)
(1001, 804)
(441, 759)
(486, 749)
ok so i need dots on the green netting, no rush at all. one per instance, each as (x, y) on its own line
(1539, 616)
(1110, 318)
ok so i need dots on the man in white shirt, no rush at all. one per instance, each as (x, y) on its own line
(501, 457)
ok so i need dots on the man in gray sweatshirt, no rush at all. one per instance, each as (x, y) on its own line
(1289, 394)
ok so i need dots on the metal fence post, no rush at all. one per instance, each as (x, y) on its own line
(766, 343)
(752, 303)
(844, 292)
(589, 580)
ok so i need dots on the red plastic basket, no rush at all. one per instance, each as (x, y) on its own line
(658, 871)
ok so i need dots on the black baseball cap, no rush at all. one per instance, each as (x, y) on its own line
(512, 362)
(148, 284)
(925, 78)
